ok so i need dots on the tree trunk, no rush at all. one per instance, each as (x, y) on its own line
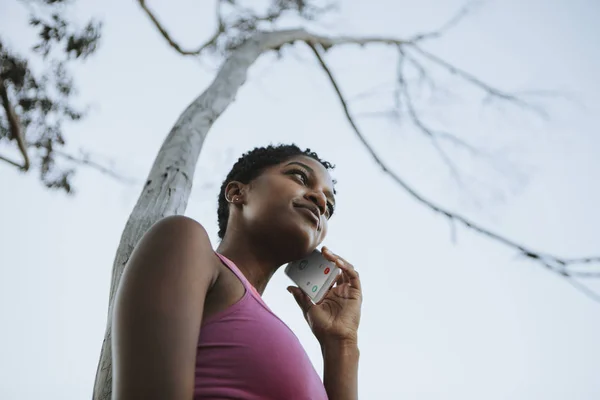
(169, 183)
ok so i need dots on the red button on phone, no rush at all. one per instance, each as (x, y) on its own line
(326, 271)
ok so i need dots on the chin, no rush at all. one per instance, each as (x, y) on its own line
(295, 241)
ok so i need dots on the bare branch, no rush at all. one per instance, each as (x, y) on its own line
(544, 259)
(491, 91)
(404, 93)
(583, 274)
(11, 162)
(15, 128)
(423, 75)
(326, 42)
(273, 40)
(415, 118)
(583, 289)
(381, 88)
(581, 260)
(455, 20)
(86, 160)
(212, 40)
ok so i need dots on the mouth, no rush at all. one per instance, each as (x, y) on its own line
(310, 212)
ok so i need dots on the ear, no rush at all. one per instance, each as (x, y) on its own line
(235, 192)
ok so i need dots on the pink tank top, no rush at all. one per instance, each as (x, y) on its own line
(247, 352)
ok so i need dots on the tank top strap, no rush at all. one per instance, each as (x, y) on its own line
(247, 285)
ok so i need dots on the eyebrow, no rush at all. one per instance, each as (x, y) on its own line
(328, 193)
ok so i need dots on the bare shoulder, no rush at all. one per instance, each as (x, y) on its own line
(158, 311)
(183, 241)
(182, 227)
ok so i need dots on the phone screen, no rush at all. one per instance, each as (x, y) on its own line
(313, 274)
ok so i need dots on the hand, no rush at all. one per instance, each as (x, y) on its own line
(337, 316)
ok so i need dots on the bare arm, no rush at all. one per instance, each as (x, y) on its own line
(340, 367)
(335, 322)
(158, 311)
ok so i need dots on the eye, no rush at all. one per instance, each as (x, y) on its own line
(330, 208)
(301, 174)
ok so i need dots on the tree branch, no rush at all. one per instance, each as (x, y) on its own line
(11, 162)
(455, 20)
(581, 260)
(549, 261)
(491, 91)
(273, 40)
(432, 135)
(328, 42)
(211, 41)
(584, 289)
(423, 76)
(86, 160)
(15, 128)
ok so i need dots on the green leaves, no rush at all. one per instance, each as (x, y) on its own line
(42, 100)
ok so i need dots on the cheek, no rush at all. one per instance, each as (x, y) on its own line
(324, 230)
(263, 208)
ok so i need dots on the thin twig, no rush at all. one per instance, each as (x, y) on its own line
(328, 42)
(455, 140)
(391, 113)
(381, 88)
(580, 260)
(423, 76)
(404, 93)
(583, 289)
(16, 130)
(455, 20)
(86, 161)
(583, 274)
(11, 162)
(491, 91)
(172, 42)
(431, 205)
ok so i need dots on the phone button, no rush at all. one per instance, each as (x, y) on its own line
(326, 271)
(315, 288)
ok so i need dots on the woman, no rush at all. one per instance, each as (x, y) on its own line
(189, 322)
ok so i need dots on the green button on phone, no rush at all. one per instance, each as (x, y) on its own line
(314, 289)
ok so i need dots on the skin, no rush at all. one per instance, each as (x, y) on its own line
(174, 280)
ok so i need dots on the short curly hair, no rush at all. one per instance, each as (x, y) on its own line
(251, 164)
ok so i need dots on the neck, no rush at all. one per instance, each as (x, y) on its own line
(257, 263)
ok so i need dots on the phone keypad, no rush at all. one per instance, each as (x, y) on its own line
(315, 277)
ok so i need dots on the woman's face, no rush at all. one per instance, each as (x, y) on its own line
(289, 205)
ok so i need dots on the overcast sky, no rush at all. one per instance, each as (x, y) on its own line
(441, 320)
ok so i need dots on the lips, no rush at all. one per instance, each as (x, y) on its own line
(311, 212)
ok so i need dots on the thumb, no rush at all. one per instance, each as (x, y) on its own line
(301, 298)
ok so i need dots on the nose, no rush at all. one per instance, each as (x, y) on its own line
(319, 199)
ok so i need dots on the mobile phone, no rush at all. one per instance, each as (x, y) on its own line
(314, 274)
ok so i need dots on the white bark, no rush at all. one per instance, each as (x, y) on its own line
(169, 182)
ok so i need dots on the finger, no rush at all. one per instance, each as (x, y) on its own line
(351, 276)
(329, 255)
(339, 280)
(344, 277)
(301, 298)
(350, 273)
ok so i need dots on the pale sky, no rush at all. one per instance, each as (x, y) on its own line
(440, 320)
